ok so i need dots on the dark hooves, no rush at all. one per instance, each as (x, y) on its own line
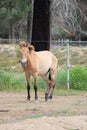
(50, 97)
(46, 97)
(28, 98)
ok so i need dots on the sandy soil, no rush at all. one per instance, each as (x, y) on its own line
(62, 113)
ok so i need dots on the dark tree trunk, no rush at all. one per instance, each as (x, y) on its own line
(29, 26)
(41, 25)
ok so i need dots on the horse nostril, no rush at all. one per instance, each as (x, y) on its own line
(23, 62)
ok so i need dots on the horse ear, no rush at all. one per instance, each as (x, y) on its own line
(23, 44)
(31, 47)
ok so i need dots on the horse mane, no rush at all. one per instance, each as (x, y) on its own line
(24, 44)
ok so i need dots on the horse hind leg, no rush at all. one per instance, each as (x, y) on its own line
(52, 84)
(47, 94)
(51, 91)
(48, 85)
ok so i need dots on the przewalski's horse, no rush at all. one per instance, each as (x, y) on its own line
(38, 64)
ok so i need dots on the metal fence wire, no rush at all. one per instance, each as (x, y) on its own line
(53, 43)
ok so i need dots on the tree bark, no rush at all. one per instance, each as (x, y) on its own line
(41, 25)
(29, 26)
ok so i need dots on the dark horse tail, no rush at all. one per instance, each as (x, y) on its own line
(49, 75)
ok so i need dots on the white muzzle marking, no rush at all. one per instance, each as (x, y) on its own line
(24, 62)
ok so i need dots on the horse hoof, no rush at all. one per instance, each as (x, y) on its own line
(49, 100)
(27, 101)
(36, 101)
(46, 99)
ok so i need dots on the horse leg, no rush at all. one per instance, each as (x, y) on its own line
(47, 93)
(48, 86)
(35, 85)
(50, 96)
(28, 86)
(28, 91)
(52, 84)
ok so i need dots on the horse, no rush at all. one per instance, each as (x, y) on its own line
(42, 63)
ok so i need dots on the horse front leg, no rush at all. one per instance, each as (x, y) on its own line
(28, 86)
(28, 91)
(35, 86)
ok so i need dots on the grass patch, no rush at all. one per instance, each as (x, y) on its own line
(12, 81)
(78, 78)
(64, 92)
(68, 112)
(12, 77)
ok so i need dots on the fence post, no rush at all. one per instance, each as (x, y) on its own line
(67, 63)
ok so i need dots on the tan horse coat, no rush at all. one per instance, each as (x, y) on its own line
(38, 63)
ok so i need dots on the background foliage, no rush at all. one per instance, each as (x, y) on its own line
(67, 18)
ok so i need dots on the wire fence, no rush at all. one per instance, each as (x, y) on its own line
(53, 43)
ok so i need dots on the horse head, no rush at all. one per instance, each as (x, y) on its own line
(25, 50)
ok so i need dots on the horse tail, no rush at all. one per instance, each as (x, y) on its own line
(48, 72)
(49, 75)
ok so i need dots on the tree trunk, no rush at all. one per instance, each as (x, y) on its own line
(41, 25)
(29, 26)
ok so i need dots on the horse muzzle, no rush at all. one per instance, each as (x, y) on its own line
(24, 62)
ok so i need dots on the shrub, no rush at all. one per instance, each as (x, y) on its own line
(78, 78)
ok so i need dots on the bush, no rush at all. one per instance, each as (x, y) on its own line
(78, 78)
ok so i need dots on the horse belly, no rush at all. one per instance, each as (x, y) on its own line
(44, 61)
(44, 66)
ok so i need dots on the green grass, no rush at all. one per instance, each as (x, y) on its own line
(13, 79)
(68, 112)
(78, 78)
(10, 81)
(64, 92)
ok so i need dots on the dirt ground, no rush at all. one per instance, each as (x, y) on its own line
(62, 113)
